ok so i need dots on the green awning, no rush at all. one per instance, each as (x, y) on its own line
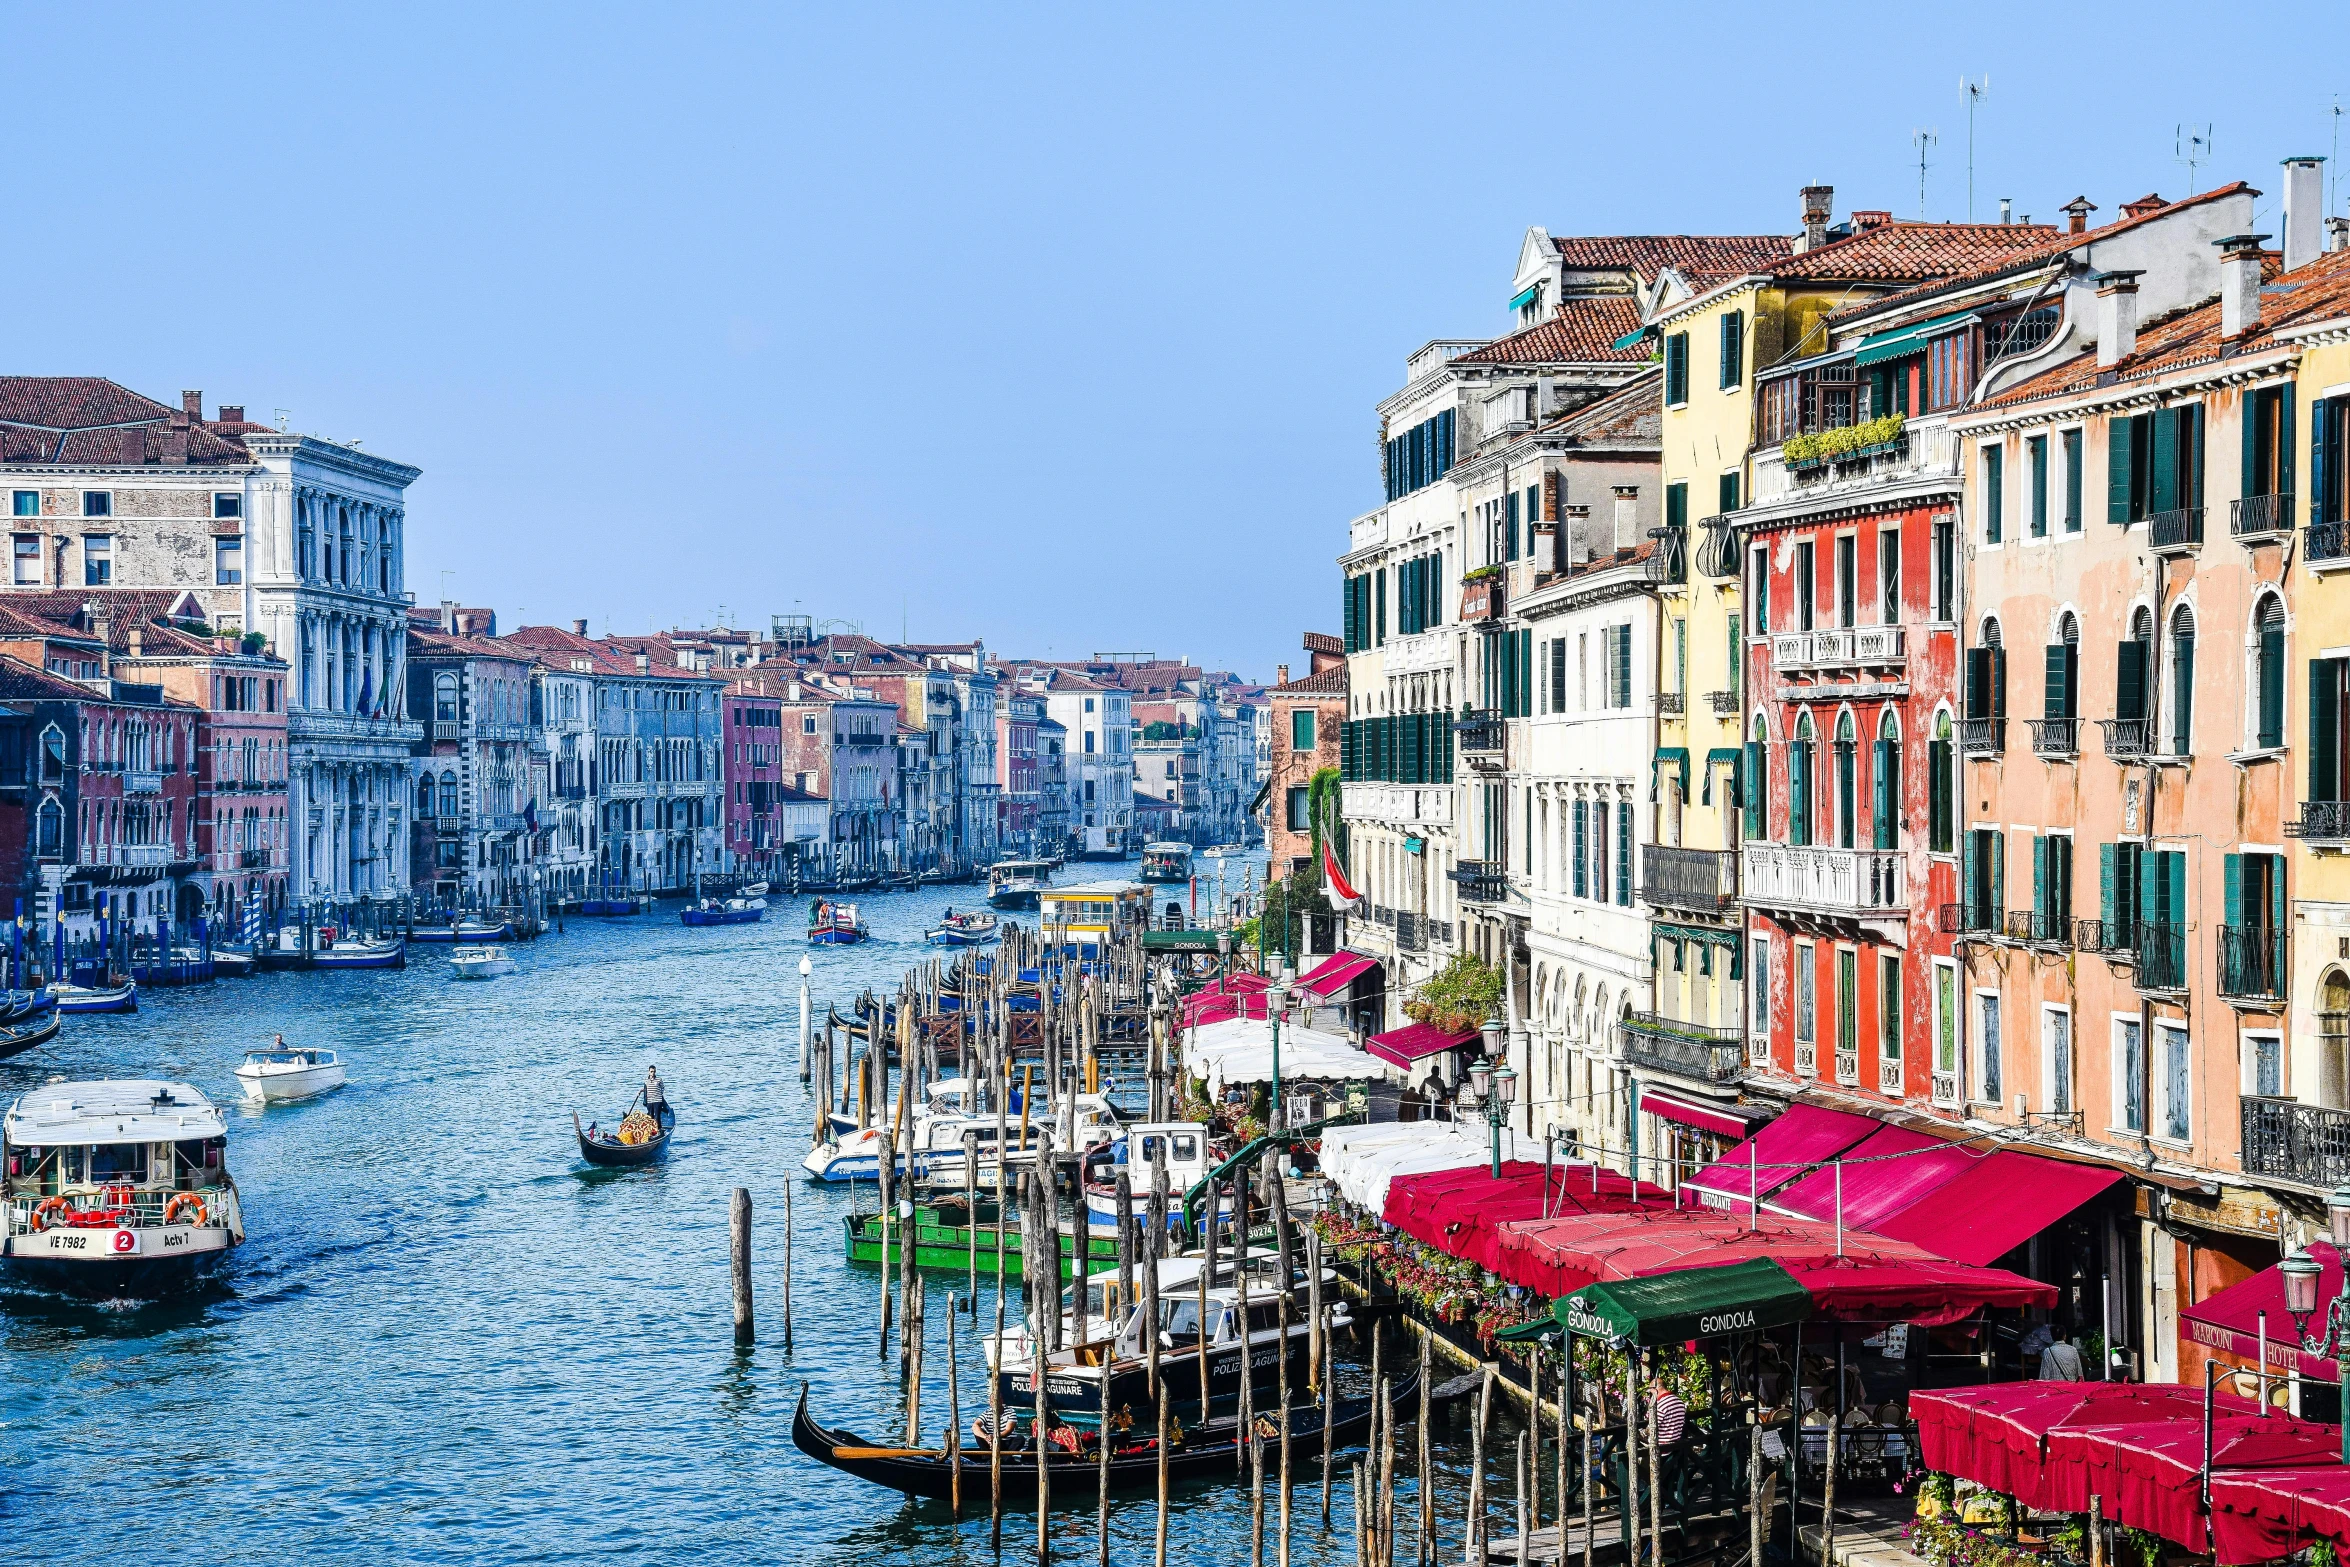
(1540, 1329)
(1678, 756)
(1632, 338)
(1896, 342)
(1720, 938)
(1179, 941)
(1525, 296)
(1671, 1308)
(1724, 756)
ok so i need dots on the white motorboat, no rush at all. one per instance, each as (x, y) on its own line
(479, 962)
(115, 1189)
(282, 1071)
(757, 889)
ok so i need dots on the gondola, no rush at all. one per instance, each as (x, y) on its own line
(607, 1150)
(1206, 1450)
(28, 1033)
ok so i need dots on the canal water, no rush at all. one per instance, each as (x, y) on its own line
(446, 1340)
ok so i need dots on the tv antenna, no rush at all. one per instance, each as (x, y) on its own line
(2192, 146)
(1923, 141)
(1974, 93)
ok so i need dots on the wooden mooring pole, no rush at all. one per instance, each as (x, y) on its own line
(787, 1186)
(739, 1230)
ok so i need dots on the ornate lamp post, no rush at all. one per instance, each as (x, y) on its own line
(2301, 1274)
(1496, 1083)
(1276, 998)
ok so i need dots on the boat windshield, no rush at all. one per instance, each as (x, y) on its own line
(1180, 1320)
(277, 1057)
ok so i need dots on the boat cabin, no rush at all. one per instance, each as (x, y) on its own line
(122, 1149)
(1092, 914)
(1166, 862)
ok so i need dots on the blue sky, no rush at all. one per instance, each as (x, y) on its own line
(1061, 327)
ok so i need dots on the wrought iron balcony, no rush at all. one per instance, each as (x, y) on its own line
(2116, 940)
(2321, 821)
(1964, 919)
(1982, 736)
(1705, 880)
(1810, 878)
(1717, 547)
(2325, 541)
(2055, 738)
(2252, 962)
(2176, 532)
(2127, 739)
(1480, 881)
(1672, 704)
(2039, 927)
(1691, 1050)
(1479, 730)
(2261, 516)
(1668, 563)
(1411, 931)
(2162, 956)
(2305, 1143)
(1723, 702)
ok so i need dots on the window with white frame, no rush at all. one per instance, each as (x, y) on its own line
(1946, 1026)
(2264, 1063)
(2056, 1057)
(2173, 1093)
(1989, 1079)
(2129, 1075)
(1806, 1002)
(1758, 990)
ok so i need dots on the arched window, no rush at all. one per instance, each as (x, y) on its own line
(51, 840)
(1941, 790)
(2061, 686)
(52, 755)
(1885, 783)
(2333, 1040)
(444, 697)
(2268, 672)
(448, 794)
(1847, 781)
(2182, 680)
(424, 795)
(1799, 785)
(1986, 692)
(2133, 681)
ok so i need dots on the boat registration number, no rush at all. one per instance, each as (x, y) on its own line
(93, 1243)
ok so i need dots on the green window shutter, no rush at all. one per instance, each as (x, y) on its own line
(1978, 682)
(2162, 490)
(2321, 505)
(2072, 481)
(2287, 402)
(2129, 681)
(2272, 686)
(1995, 844)
(2105, 883)
(1623, 638)
(2192, 417)
(1676, 505)
(1624, 857)
(2175, 887)
(1994, 493)
(1750, 788)
(2120, 441)
(2060, 872)
(2233, 880)
(1677, 368)
(1582, 827)
(2325, 718)
(2040, 846)
(2276, 891)
(2150, 888)
(2037, 449)
(1970, 886)
(2182, 693)
(1525, 674)
(2055, 687)
(1726, 492)
(2254, 406)
(1881, 780)
(1998, 682)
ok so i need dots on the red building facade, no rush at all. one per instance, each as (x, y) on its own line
(1853, 683)
(751, 719)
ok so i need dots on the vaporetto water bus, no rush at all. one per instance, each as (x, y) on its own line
(116, 1188)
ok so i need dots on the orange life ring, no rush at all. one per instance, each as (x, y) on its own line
(46, 1213)
(171, 1209)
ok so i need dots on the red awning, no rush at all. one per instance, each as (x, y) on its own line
(2259, 1515)
(1995, 1205)
(1726, 1120)
(1883, 1173)
(1458, 1211)
(1334, 973)
(1925, 1291)
(1997, 1436)
(1805, 1135)
(2230, 1320)
(1414, 1042)
(2151, 1475)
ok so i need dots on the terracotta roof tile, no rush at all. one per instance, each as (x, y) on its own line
(89, 419)
(1323, 642)
(1902, 252)
(1634, 412)
(1582, 331)
(1331, 680)
(1649, 254)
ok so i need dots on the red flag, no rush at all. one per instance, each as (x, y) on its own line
(1335, 887)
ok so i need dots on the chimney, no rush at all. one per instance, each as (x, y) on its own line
(134, 445)
(192, 404)
(2007, 209)
(2304, 206)
(1817, 200)
(644, 663)
(175, 446)
(1627, 525)
(579, 627)
(232, 413)
(1280, 674)
(449, 616)
(2076, 214)
(2117, 317)
(2338, 233)
(1578, 534)
(137, 643)
(2145, 206)
(2239, 284)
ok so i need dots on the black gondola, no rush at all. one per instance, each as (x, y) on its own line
(606, 1149)
(1206, 1449)
(27, 1034)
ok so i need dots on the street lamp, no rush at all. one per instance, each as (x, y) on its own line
(1276, 998)
(1496, 1082)
(2302, 1273)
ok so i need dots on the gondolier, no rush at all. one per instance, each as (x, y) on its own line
(656, 1101)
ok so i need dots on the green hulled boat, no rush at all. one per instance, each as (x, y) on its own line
(946, 1247)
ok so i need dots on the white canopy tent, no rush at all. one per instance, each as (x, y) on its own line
(1363, 1161)
(1240, 1050)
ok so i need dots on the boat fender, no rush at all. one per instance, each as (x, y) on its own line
(181, 1201)
(50, 1210)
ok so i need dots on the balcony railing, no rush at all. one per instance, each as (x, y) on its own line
(1717, 548)
(1700, 879)
(1480, 881)
(447, 729)
(1672, 704)
(1668, 563)
(1411, 931)
(142, 783)
(1480, 730)
(2322, 541)
(1841, 647)
(1889, 1076)
(2040, 927)
(1982, 736)
(2055, 737)
(1963, 919)
(1823, 880)
(2176, 532)
(252, 859)
(1945, 1088)
(2115, 939)
(1723, 702)
(1848, 1068)
(1691, 1050)
(2322, 821)
(2252, 962)
(2261, 516)
(2162, 956)
(2299, 1142)
(2127, 739)
(1807, 1058)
